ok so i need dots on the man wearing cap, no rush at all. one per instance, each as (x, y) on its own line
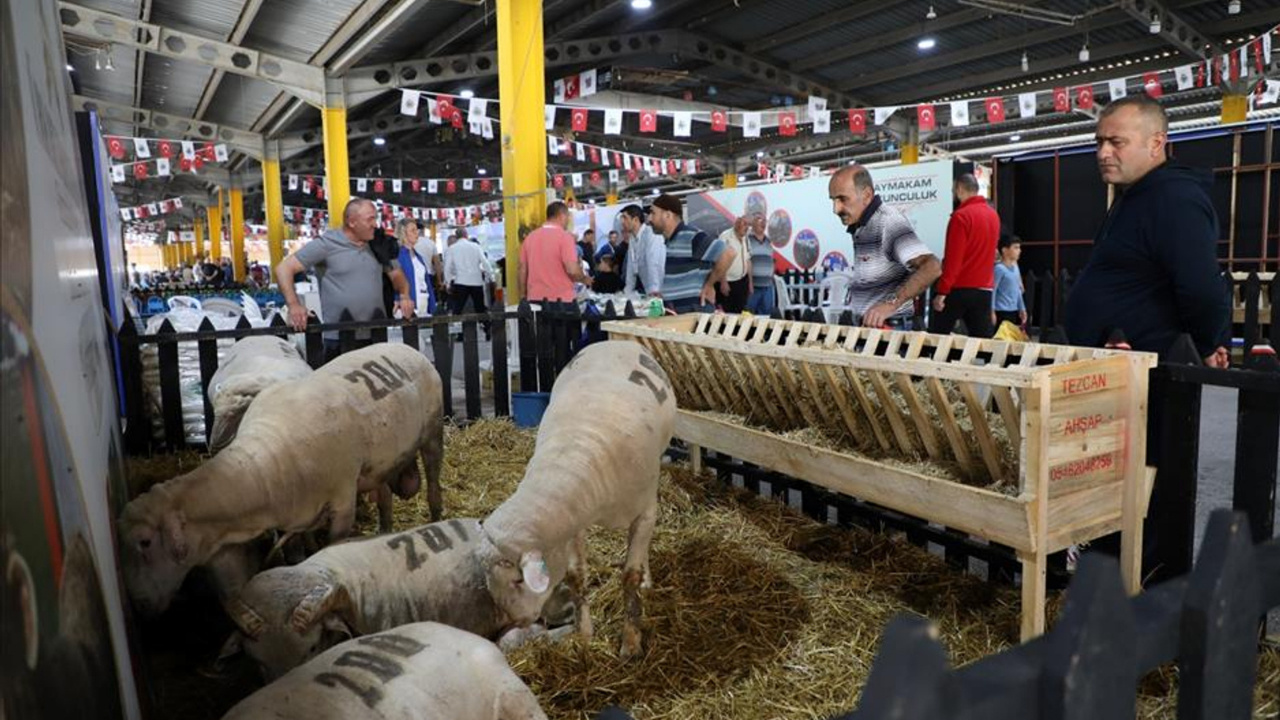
(890, 265)
(695, 262)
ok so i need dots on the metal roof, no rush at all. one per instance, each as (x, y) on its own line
(865, 46)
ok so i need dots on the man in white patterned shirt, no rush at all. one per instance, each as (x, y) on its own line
(890, 265)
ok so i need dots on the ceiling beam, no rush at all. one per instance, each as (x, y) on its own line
(581, 18)
(770, 39)
(1173, 29)
(247, 14)
(140, 58)
(244, 141)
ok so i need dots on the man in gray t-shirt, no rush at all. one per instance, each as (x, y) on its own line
(350, 274)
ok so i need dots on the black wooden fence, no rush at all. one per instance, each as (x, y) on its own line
(1088, 666)
(547, 339)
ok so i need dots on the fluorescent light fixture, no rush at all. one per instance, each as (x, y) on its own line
(1084, 53)
(482, 171)
(1015, 138)
(759, 153)
(927, 43)
(1233, 7)
(467, 94)
(641, 4)
(932, 14)
(379, 141)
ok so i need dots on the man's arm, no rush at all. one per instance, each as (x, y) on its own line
(285, 271)
(450, 267)
(718, 272)
(522, 276)
(401, 285)
(1185, 246)
(925, 269)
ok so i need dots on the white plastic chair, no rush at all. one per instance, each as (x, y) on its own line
(782, 299)
(834, 298)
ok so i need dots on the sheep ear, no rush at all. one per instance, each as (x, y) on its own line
(233, 646)
(319, 603)
(336, 623)
(245, 618)
(172, 527)
(534, 570)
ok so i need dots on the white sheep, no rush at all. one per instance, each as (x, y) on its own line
(423, 671)
(287, 615)
(596, 462)
(305, 448)
(249, 367)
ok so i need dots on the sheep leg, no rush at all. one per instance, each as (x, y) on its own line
(433, 459)
(576, 579)
(341, 519)
(384, 508)
(634, 573)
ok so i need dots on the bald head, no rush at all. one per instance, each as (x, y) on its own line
(851, 191)
(359, 220)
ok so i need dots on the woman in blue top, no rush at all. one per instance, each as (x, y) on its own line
(417, 269)
(1007, 302)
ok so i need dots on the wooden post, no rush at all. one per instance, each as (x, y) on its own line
(1134, 500)
(1034, 562)
(695, 458)
(498, 362)
(1173, 501)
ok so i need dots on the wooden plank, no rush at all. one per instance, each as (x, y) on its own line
(923, 421)
(815, 392)
(892, 412)
(1037, 472)
(1004, 401)
(973, 510)
(991, 456)
(662, 352)
(693, 370)
(771, 334)
(1136, 489)
(947, 418)
(756, 381)
(864, 399)
(808, 404)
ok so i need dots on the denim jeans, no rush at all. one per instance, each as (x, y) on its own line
(761, 301)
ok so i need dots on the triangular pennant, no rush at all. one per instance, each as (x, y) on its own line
(884, 113)
(683, 124)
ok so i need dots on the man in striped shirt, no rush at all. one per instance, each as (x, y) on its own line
(762, 298)
(695, 262)
(890, 265)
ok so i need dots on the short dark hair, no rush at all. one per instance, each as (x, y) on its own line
(556, 209)
(351, 206)
(587, 232)
(611, 232)
(1143, 103)
(634, 211)
(862, 178)
(1009, 241)
(968, 182)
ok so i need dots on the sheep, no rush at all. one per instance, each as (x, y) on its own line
(422, 671)
(305, 448)
(248, 367)
(287, 615)
(588, 468)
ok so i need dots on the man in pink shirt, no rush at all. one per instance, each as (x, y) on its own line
(549, 264)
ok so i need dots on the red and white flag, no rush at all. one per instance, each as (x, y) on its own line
(787, 123)
(444, 106)
(451, 186)
(486, 185)
(858, 122)
(719, 120)
(571, 87)
(1060, 101)
(995, 109)
(1084, 97)
(115, 148)
(579, 121)
(557, 182)
(595, 177)
(164, 148)
(1151, 84)
(140, 171)
(926, 118)
(648, 121)
(415, 185)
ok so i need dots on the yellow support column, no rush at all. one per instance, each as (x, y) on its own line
(336, 169)
(274, 200)
(215, 229)
(1235, 108)
(524, 133)
(199, 239)
(167, 254)
(730, 180)
(183, 253)
(237, 232)
(910, 154)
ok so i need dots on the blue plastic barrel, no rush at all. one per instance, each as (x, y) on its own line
(527, 407)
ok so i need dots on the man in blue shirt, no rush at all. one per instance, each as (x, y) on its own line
(695, 261)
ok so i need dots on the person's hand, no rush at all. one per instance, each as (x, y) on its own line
(751, 287)
(724, 287)
(878, 314)
(298, 316)
(1022, 317)
(1219, 359)
(995, 322)
(940, 302)
(406, 308)
(708, 295)
(588, 280)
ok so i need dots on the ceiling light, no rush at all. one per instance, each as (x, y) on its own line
(482, 171)
(1084, 53)
(111, 65)
(97, 60)
(1233, 7)
(1154, 27)
(742, 178)
(467, 94)
(379, 141)
(933, 13)
(70, 68)
(1026, 65)
(1015, 138)
(759, 153)
(926, 43)
(641, 4)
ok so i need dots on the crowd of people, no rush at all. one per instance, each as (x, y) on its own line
(1153, 271)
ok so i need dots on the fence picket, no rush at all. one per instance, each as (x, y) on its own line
(471, 368)
(498, 356)
(315, 343)
(442, 353)
(208, 366)
(170, 386)
(137, 435)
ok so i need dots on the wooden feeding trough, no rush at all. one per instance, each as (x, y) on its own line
(1062, 429)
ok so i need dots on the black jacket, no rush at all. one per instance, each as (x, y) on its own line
(1154, 268)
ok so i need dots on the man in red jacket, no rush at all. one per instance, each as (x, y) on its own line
(968, 265)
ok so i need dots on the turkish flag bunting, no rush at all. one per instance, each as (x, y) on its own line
(571, 87)
(1257, 56)
(415, 185)
(595, 154)
(184, 164)
(1151, 83)
(165, 148)
(1234, 67)
(198, 162)
(444, 105)
(858, 122)
(140, 171)
(1201, 71)
(1060, 102)
(208, 152)
(995, 109)
(762, 170)
(379, 186)
(595, 177)
(926, 118)
(648, 121)
(719, 120)
(1084, 97)
(455, 118)
(320, 191)
(451, 186)
(579, 120)
(787, 123)
(486, 185)
(631, 175)
(115, 148)
(797, 172)
(558, 182)
(673, 167)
